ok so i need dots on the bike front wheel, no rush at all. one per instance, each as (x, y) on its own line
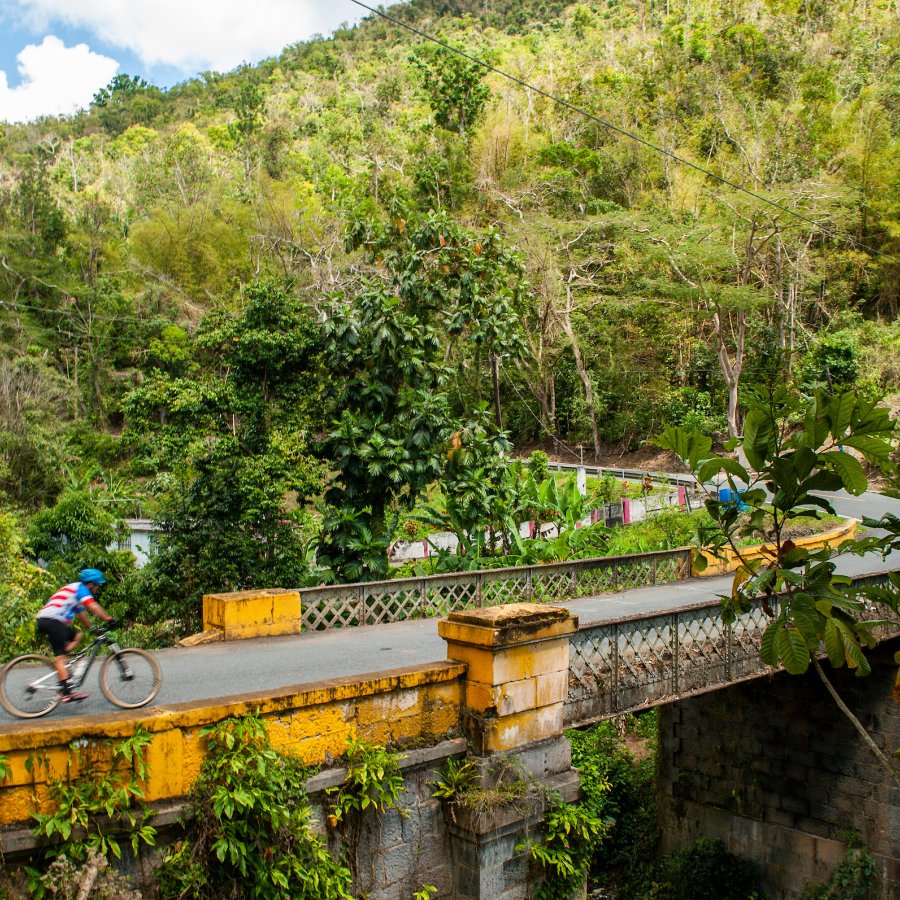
(29, 686)
(130, 678)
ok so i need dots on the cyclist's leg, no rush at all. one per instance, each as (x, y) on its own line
(75, 640)
(59, 663)
(61, 636)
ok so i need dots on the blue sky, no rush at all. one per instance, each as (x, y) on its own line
(55, 54)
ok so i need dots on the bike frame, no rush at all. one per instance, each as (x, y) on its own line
(89, 654)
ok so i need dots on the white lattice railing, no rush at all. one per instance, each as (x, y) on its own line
(641, 661)
(377, 602)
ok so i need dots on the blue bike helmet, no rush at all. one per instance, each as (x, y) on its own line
(95, 576)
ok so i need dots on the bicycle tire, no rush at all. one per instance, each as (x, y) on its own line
(136, 688)
(15, 679)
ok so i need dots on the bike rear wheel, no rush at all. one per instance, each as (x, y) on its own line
(29, 686)
(130, 678)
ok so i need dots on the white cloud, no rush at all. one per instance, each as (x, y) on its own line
(56, 80)
(193, 35)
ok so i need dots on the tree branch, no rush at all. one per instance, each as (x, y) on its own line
(856, 723)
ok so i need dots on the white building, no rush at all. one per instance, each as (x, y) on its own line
(138, 536)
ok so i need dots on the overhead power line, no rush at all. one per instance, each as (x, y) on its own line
(621, 131)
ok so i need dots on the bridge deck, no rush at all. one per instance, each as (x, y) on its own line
(217, 671)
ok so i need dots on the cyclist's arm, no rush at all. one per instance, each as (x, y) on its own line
(98, 610)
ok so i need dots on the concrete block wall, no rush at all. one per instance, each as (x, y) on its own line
(418, 704)
(778, 772)
(399, 852)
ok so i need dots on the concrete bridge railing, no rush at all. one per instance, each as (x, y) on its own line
(259, 613)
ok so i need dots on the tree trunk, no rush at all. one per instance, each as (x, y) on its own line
(495, 374)
(731, 369)
(583, 373)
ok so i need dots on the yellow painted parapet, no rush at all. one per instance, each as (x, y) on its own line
(517, 667)
(731, 562)
(251, 614)
(311, 722)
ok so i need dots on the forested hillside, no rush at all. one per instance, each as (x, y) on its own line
(270, 308)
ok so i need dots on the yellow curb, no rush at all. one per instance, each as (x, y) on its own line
(210, 636)
(717, 566)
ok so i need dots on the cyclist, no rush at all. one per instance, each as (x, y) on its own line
(54, 621)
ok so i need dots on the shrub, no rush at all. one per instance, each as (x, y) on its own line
(706, 870)
(251, 832)
(621, 790)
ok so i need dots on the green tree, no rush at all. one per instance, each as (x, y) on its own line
(121, 86)
(75, 530)
(249, 110)
(478, 490)
(794, 452)
(32, 412)
(237, 441)
(440, 290)
(23, 589)
(453, 86)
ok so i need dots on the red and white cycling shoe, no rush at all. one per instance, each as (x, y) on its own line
(73, 696)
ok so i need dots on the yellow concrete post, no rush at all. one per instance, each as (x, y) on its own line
(250, 614)
(517, 659)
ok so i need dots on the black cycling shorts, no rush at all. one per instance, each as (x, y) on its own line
(60, 634)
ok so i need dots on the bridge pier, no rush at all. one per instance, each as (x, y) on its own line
(779, 773)
(517, 666)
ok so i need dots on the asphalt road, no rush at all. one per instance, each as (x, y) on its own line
(222, 670)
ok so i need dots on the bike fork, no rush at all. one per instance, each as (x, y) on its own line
(127, 673)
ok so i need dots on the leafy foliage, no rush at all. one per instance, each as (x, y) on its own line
(794, 452)
(372, 784)
(241, 442)
(620, 791)
(23, 589)
(373, 779)
(386, 349)
(453, 86)
(93, 810)
(856, 878)
(252, 833)
(706, 869)
(570, 835)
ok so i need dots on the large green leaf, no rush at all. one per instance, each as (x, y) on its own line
(806, 618)
(690, 445)
(759, 437)
(856, 659)
(712, 467)
(840, 413)
(849, 469)
(792, 650)
(873, 418)
(834, 645)
(874, 449)
(768, 650)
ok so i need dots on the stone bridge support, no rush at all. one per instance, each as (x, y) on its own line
(517, 659)
(775, 769)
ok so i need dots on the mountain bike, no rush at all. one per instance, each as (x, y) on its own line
(129, 678)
